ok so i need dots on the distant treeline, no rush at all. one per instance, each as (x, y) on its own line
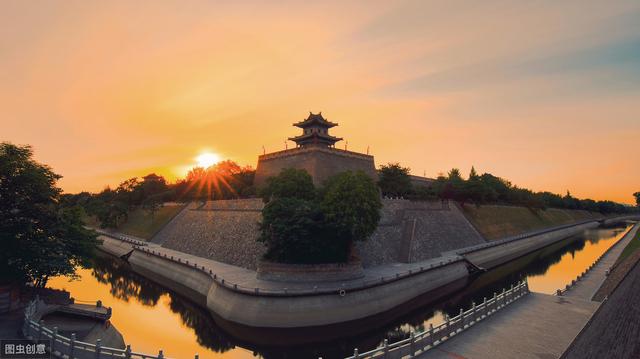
(485, 189)
(228, 180)
(111, 206)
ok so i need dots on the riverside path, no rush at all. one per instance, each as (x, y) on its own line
(539, 325)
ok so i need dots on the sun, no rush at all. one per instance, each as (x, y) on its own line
(207, 159)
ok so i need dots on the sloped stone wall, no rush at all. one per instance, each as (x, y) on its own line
(414, 231)
(226, 231)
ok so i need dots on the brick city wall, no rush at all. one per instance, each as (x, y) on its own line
(226, 231)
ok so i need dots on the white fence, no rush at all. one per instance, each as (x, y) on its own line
(62, 346)
(418, 343)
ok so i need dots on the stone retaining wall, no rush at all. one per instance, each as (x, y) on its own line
(226, 231)
(411, 232)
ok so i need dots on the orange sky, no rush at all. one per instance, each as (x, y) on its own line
(543, 94)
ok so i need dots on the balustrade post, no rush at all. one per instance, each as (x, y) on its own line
(196, 356)
(72, 345)
(448, 322)
(160, 354)
(386, 348)
(53, 340)
(355, 353)
(495, 301)
(484, 305)
(127, 352)
(473, 312)
(98, 348)
(412, 341)
(431, 338)
(461, 316)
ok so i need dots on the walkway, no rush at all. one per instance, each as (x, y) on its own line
(614, 330)
(544, 326)
(246, 279)
(536, 326)
(589, 284)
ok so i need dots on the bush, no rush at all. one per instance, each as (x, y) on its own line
(300, 226)
(290, 183)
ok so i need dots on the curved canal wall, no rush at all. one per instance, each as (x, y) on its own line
(493, 254)
(235, 294)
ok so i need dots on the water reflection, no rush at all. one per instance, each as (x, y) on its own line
(151, 317)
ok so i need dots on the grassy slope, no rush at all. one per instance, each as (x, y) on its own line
(633, 246)
(496, 222)
(141, 225)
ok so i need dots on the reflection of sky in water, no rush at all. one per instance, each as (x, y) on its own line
(150, 318)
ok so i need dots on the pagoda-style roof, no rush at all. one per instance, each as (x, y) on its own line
(315, 132)
(315, 120)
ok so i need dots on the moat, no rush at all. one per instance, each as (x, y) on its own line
(151, 317)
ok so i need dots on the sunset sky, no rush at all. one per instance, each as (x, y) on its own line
(545, 94)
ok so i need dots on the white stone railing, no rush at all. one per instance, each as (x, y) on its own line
(342, 290)
(418, 343)
(63, 347)
(121, 237)
(580, 277)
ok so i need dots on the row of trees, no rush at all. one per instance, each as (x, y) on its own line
(482, 189)
(111, 207)
(305, 224)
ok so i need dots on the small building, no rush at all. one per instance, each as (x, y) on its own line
(316, 153)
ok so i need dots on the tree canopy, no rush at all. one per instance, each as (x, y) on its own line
(303, 225)
(394, 180)
(39, 237)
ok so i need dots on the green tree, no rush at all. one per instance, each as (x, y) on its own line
(292, 229)
(394, 180)
(152, 205)
(39, 238)
(351, 204)
(290, 183)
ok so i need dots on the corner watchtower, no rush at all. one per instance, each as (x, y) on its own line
(315, 153)
(315, 132)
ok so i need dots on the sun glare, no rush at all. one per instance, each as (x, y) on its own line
(207, 159)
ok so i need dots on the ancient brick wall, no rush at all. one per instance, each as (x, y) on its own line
(320, 163)
(226, 231)
(414, 231)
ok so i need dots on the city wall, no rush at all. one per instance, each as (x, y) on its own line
(495, 253)
(320, 163)
(268, 309)
(409, 232)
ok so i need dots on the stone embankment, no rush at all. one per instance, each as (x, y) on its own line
(236, 294)
(409, 232)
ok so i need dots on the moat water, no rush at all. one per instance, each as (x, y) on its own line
(151, 317)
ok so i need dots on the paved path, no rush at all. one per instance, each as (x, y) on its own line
(541, 326)
(537, 326)
(591, 282)
(247, 278)
(614, 331)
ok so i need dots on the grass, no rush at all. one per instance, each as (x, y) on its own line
(496, 222)
(140, 223)
(633, 246)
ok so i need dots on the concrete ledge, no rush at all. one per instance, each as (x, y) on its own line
(496, 253)
(183, 279)
(328, 272)
(114, 246)
(326, 309)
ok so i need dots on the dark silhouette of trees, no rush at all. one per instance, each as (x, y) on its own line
(637, 196)
(303, 225)
(487, 188)
(39, 237)
(394, 180)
